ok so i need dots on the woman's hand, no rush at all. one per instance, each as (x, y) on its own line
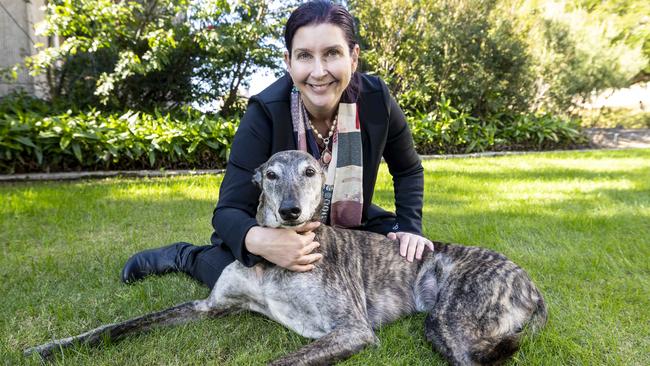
(288, 248)
(411, 245)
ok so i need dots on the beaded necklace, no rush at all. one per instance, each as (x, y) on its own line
(326, 154)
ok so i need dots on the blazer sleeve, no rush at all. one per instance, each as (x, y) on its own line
(238, 195)
(405, 166)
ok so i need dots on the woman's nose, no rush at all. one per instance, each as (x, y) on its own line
(319, 69)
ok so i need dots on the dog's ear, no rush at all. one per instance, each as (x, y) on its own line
(257, 176)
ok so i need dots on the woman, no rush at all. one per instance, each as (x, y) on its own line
(346, 120)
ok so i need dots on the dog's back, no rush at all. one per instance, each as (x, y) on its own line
(382, 280)
(479, 302)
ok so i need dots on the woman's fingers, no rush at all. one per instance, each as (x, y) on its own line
(301, 268)
(411, 246)
(309, 259)
(309, 226)
(412, 243)
(421, 244)
(307, 249)
(403, 245)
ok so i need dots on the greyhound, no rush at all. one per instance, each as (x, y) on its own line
(479, 303)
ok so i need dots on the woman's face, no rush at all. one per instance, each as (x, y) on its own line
(321, 66)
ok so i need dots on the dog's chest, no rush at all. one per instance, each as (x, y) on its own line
(291, 299)
(299, 304)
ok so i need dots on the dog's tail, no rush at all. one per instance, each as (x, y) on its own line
(175, 315)
(496, 350)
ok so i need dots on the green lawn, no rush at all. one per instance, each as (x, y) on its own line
(578, 222)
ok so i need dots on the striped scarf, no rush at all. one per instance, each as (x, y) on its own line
(343, 190)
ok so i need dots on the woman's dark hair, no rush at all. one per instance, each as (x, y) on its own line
(319, 12)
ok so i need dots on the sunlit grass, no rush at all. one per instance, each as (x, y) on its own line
(578, 222)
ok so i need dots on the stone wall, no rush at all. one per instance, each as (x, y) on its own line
(17, 40)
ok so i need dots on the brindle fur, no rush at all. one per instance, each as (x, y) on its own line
(478, 302)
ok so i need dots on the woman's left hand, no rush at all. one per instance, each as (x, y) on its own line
(411, 245)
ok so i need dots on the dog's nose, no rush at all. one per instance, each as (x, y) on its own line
(289, 212)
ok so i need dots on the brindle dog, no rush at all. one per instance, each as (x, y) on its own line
(478, 302)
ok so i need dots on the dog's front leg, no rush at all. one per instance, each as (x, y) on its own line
(178, 314)
(338, 345)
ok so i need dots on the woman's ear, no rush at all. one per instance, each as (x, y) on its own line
(287, 60)
(355, 57)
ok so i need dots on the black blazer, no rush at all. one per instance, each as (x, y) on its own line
(266, 128)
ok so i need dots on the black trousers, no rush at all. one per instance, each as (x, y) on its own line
(205, 263)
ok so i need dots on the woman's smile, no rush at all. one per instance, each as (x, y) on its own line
(321, 87)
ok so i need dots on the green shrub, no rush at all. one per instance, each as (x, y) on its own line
(34, 139)
(155, 54)
(426, 49)
(506, 56)
(614, 117)
(450, 130)
(537, 132)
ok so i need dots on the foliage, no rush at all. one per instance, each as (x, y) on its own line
(575, 54)
(450, 130)
(35, 138)
(629, 16)
(537, 132)
(150, 54)
(494, 57)
(426, 49)
(614, 117)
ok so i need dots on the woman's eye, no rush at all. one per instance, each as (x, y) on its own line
(304, 56)
(271, 175)
(310, 172)
(332, 53)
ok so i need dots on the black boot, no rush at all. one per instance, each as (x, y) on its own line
(171, 258)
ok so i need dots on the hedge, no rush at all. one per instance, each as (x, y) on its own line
(37, 137)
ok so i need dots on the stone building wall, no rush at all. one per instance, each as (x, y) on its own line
(17, 40)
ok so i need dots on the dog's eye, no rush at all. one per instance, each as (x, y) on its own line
(271, 175)
(310, 172)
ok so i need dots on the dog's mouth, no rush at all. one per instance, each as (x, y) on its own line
(291, 223)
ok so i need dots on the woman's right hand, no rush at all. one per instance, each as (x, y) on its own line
(288, 248)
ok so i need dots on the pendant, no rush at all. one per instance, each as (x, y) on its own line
(326, 157)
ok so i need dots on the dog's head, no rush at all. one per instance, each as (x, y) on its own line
(291, 183)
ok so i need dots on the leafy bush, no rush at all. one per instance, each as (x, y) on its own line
(498, 57)
(575, 54)
(155, 53)
(457, 48)
(614, 117)
(450, 130)
(537, 132)
(32, 138)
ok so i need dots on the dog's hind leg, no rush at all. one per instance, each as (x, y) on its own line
(338, 345)
(175, 315)
(442, 340)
